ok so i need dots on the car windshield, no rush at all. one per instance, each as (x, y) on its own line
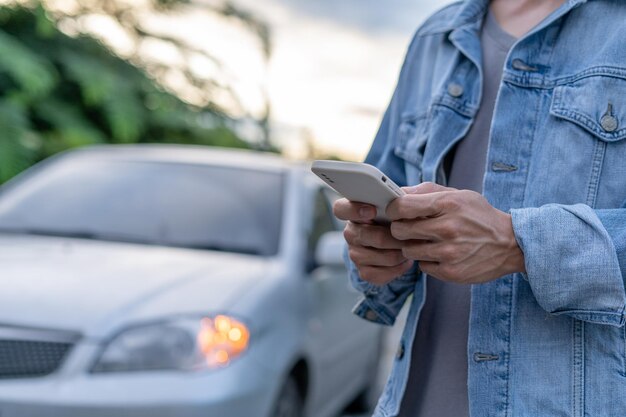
(171, 204)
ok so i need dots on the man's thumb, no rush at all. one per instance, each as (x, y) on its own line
(425, 188)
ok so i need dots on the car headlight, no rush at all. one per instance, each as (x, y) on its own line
(179, 344)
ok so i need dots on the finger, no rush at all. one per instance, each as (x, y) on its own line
(430, 268)
(383, 275)
(348, 210)
(370, 235)
(420, 250)
(363, 256)
(412, 206)
(426, 188)
(428, 228)
(442, 271)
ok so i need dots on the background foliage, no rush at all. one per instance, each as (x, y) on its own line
(59, 91)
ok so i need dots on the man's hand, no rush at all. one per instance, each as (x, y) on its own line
(375, 252)
(456, 235)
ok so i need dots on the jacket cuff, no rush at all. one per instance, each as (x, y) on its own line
(381, 303)
(571, 262)
(614, 221)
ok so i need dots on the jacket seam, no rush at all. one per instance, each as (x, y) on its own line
(587, 122)
(536, 81)
(596, 172)
(436, 20)
(508, 348)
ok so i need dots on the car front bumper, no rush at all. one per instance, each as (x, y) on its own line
(239, 390)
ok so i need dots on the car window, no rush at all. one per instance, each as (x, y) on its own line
(171, 204)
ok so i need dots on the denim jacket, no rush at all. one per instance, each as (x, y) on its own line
(552, 341)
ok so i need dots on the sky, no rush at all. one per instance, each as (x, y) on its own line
(334, 67)
(330, 76)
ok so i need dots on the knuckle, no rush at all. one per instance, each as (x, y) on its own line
(402, 207)
(448, 230)
(451, 202)
(376, 238)
(366, 274)
(397, 230)
(429, 186)
(465, 195)
(348, 234)
(447, 253)
(354, 255)
(400, 269)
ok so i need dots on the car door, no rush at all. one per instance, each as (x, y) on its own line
(344, 344)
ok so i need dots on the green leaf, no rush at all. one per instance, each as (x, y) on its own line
(73, 126)
(45, 26)
(125, 113)
(31, 72)
(14, 128)
(97, 82)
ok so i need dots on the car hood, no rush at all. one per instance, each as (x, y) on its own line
(93, 286)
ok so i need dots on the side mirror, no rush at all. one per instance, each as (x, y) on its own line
(329, 250)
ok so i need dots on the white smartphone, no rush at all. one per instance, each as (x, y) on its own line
(359, 182)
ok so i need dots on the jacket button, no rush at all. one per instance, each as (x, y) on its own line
(520, 65)
(609, 123)
(455, 90)
(400, 353)
(371, 315)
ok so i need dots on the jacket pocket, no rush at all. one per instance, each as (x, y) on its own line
(411, 141)
(596, 103)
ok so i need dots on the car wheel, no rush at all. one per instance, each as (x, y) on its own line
(289, 402)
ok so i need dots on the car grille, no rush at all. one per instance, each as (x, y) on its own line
(28, 358)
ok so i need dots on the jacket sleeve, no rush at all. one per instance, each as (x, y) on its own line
(381, 304)
(575, 260)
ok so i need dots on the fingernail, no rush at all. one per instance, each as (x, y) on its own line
(366, 212)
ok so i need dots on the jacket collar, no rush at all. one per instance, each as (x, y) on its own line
(469, 12)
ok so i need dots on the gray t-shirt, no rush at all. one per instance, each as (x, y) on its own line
(437, 385)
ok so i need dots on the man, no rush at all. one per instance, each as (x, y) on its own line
(519, 291)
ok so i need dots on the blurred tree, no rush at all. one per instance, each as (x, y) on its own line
(59, 91)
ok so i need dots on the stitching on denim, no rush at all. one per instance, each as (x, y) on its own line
(461, 108)
(605, 71)
(582, 376)
(529, 80)
(587, 122)
(600, 317)
(530, 154)
(406, 131)
(578, 371)
(507, 355)
(596, 168)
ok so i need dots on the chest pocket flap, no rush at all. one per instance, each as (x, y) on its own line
(411, 139)
(596, 103)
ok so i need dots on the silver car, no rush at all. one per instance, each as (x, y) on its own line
(176, 281)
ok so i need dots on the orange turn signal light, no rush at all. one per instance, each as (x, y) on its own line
(221, 339)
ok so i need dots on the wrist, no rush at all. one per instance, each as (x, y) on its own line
(514, 261)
